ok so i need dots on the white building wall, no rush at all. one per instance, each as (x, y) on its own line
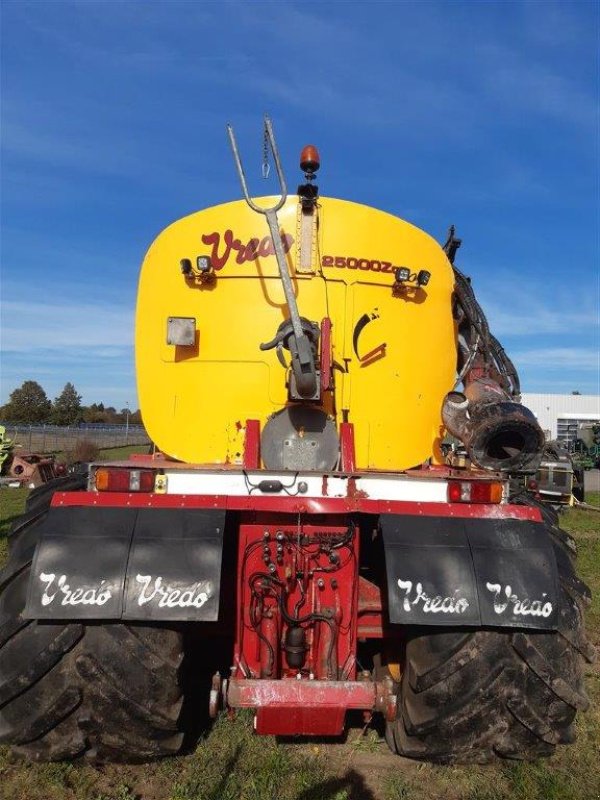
(548, 408)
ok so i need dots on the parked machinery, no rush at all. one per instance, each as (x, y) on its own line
(25, 469)
(300, 371)
(586, 448)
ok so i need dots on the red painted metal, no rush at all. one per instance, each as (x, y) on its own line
(300, 721)
(306, 572)
(269, 642)
(296, 505)
(306, 707)
(326, 371)
(285, 569)
(252, 444)
(370, 610)
(348, 457)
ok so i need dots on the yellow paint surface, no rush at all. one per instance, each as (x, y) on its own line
(393, 371)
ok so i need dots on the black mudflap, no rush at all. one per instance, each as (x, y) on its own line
(472, 572)
(126, 563)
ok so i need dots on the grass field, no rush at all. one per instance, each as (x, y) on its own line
(230, 763)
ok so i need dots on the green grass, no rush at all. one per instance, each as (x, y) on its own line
(230, 763)
(584, 526)
(12, 505)
(111, 453)
(121, 453)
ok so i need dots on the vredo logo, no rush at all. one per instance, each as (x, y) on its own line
(505, 600)
(248, 251)
(415, 598)
(377, 352)
(58, 588)
(163, 595)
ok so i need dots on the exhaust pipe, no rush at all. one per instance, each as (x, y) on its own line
(498, 433)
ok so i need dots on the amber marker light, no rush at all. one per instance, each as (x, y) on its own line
(310, 161)
(101, 480)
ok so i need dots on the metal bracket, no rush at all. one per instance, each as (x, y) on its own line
(303, 362)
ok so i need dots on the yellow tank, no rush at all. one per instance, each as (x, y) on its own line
(393, 343)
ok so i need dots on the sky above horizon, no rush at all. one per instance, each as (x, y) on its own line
(113, 117)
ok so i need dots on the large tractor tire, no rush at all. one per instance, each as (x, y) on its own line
(476, 696)
(109, 692)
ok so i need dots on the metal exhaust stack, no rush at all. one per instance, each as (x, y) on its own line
(499, 434)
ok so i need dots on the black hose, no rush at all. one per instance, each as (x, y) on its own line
(489, 347)
(507, 366)
(470, 305)
(295, 621)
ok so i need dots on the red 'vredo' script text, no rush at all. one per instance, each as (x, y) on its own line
(250, 251)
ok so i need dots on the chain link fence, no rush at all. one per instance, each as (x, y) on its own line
(57, 438)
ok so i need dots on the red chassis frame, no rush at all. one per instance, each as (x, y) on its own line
(297, 559)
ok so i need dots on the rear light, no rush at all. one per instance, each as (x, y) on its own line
(532, 485)
(112, 479)
(474, 492)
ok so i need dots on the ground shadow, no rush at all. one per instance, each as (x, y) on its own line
(7, 525)
(352, 782)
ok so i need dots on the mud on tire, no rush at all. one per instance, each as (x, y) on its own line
(104, 691)
(475, 696)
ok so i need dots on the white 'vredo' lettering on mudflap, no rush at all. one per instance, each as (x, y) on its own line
(191, 596)
(86, 596)
(431, 605)
(525, 607)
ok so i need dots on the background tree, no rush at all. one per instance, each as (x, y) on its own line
(27, 404)
(94, 413)
(67, 407)
(111, 417)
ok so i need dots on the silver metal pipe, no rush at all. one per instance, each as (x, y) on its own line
(303, 361)
(284, 274)
(242, 175)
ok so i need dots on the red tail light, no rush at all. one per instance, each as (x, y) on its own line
(116, 479)
(474, 492)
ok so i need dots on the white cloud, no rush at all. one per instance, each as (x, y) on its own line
(78, 326)
(531, 319)
(523, 307)
(523, 86)
(559, 358)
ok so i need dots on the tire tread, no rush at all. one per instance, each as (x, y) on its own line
(103, 691)
(472, 698)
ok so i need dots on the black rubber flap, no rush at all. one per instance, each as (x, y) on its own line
(113, 563)
(516, 573)
(174, 570)
(80, 562)
(430, 573)
(473, 572)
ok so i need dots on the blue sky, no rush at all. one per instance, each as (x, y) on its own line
(481, 114)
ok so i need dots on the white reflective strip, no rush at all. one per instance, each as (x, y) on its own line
(380, 487)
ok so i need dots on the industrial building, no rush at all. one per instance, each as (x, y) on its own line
(559, 415)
